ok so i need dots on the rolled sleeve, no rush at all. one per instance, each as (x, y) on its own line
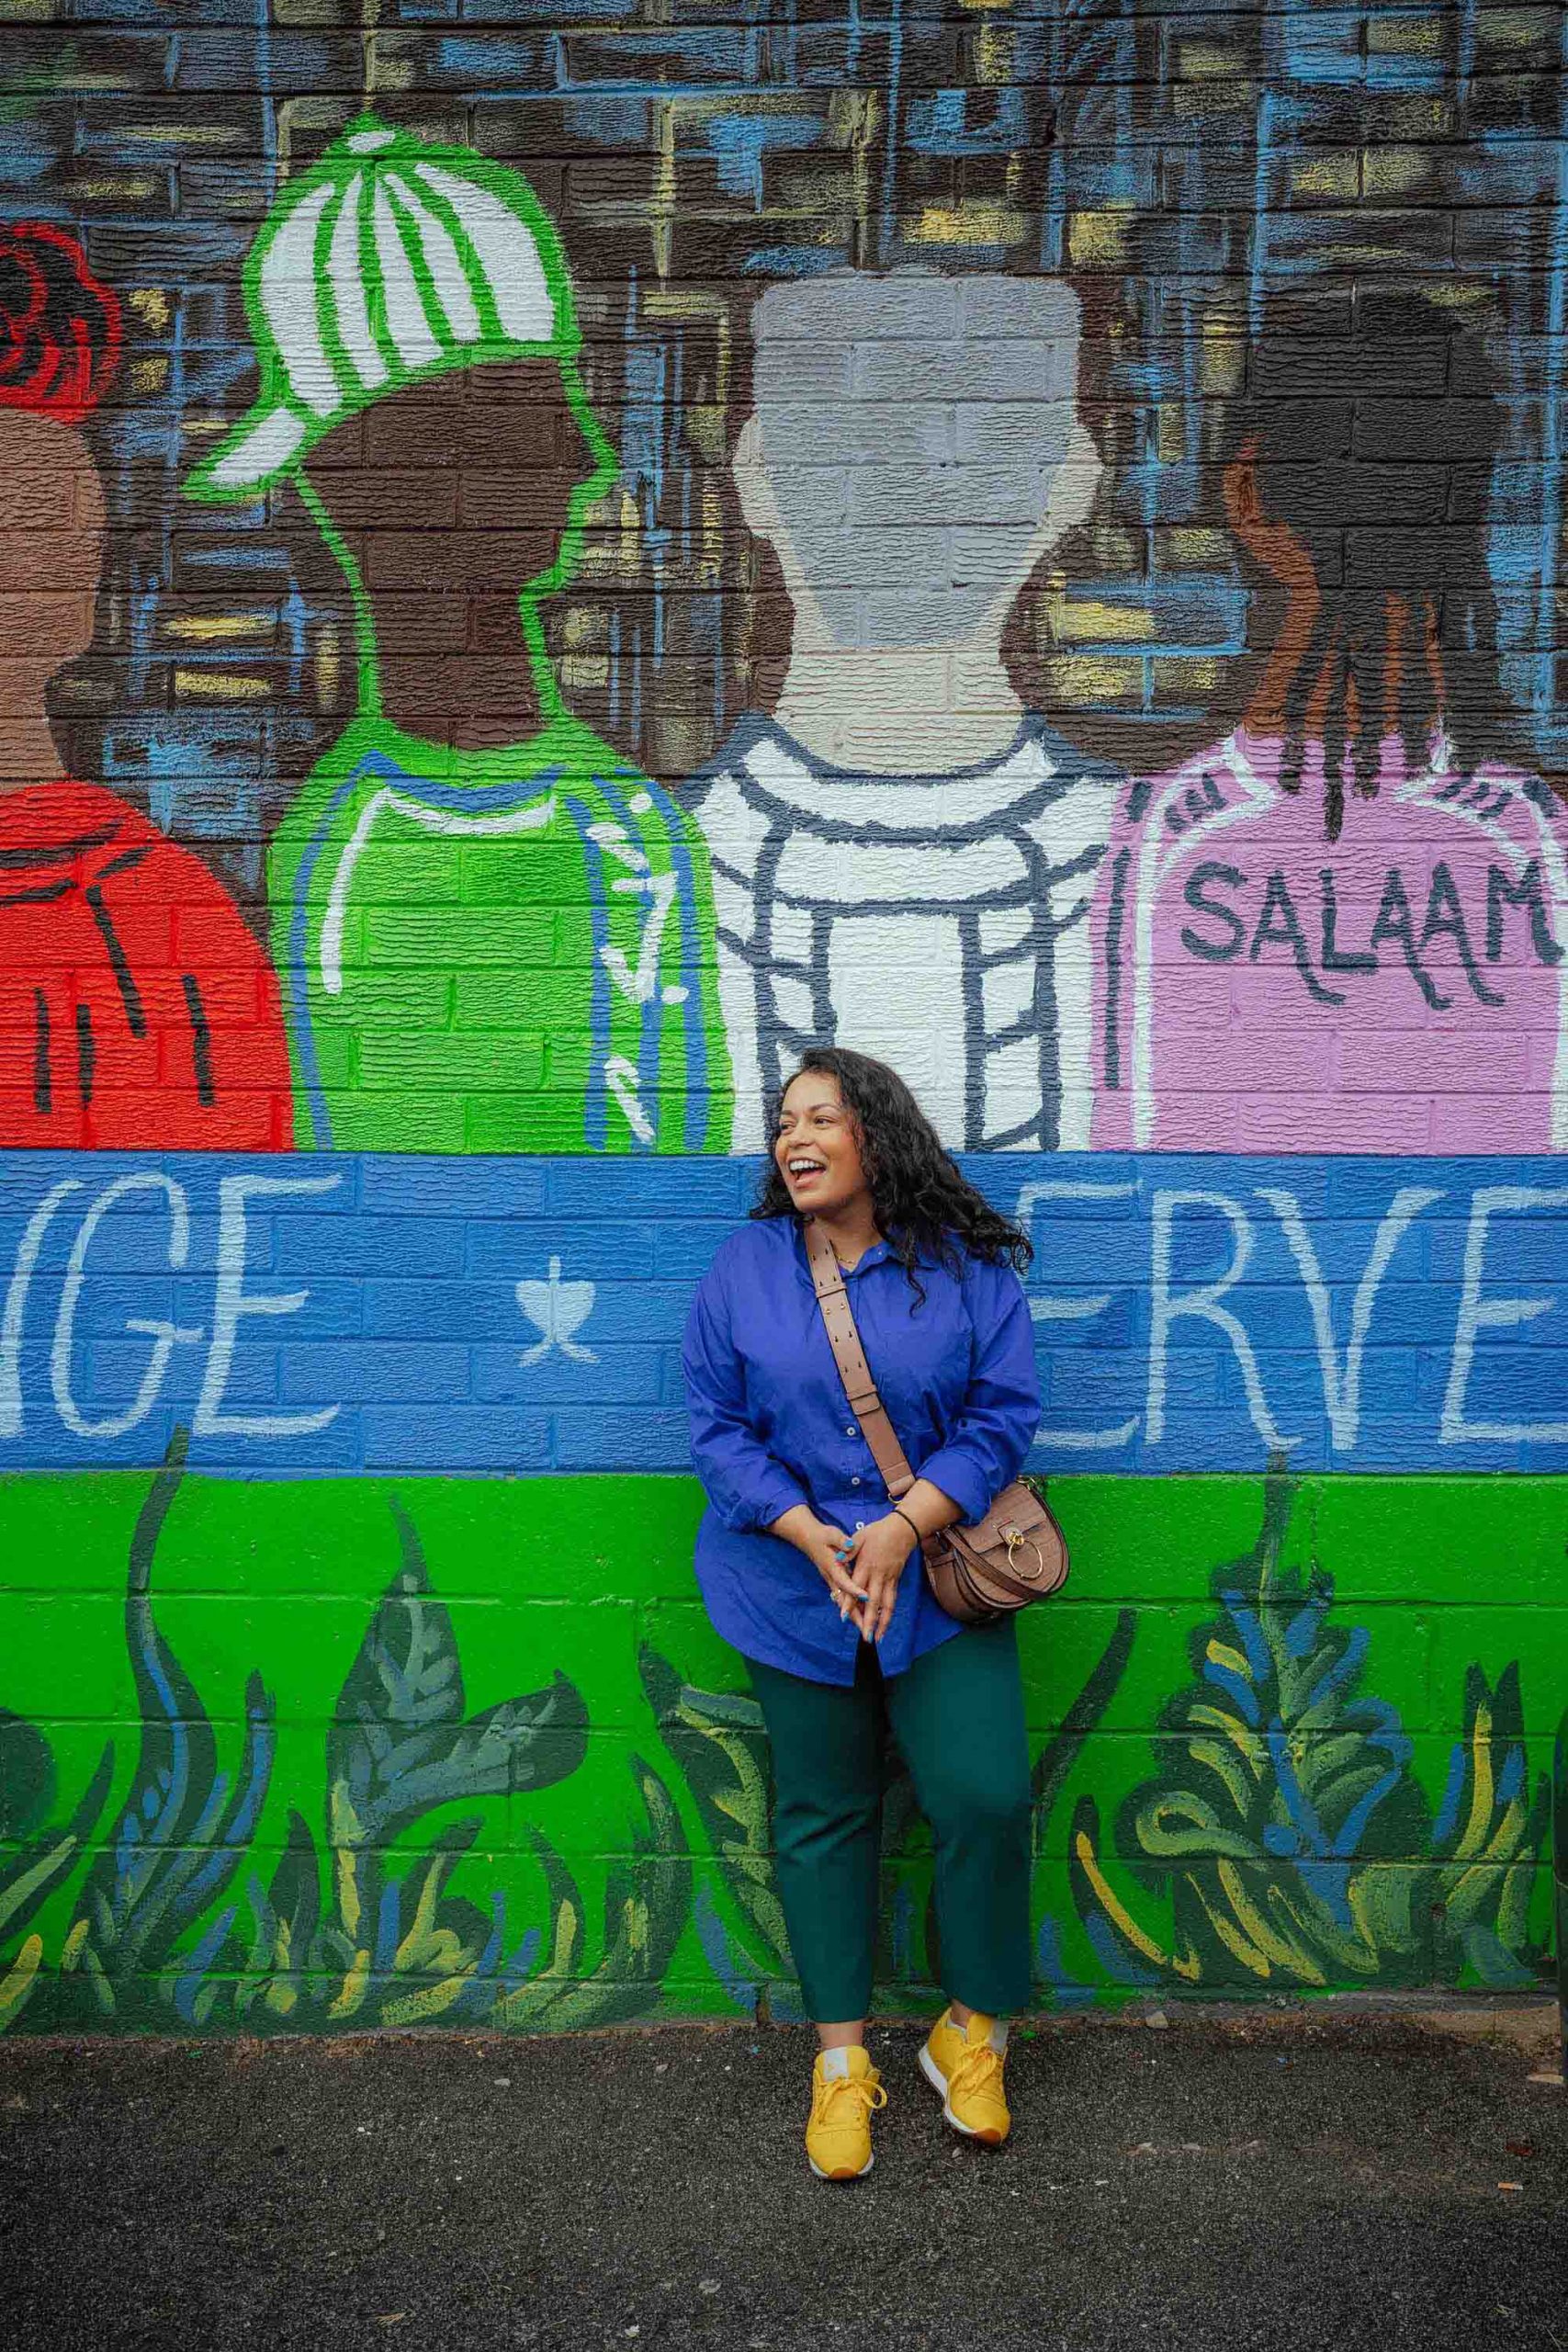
(989, 1442)
(747, 1487)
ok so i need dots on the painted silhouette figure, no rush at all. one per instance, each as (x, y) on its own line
(136, 1009)
(903, 855)
(495, 934)
(1343, 927)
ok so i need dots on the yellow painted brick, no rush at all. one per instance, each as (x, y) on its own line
(1200, 680)
(117, 187)
(1098, 239)
(216, 628)
(1202, 61)
(1189, 544)
(187, 132)
(151, 305)
(1514, 27)
(329, 667)
(1418, 33)
(1170, 432)
(1335, 173)
(973, 221)
(1392, 171)
(582, 624)
(1081, 679)
(219, 685)
(1088, 620)
(704, 433)
(996, 47)
(1221, 360)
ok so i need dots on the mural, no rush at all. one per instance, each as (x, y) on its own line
(500, 939)
(1285, 1819)
(548, 559)
(904, 856)
(179, 1885)
(136, 1004)
(900, 483)
(1353, 893)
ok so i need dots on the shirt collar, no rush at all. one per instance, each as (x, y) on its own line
(880, 1253)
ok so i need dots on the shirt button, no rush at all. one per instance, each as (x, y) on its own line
(854, 1482)
(851, 1430)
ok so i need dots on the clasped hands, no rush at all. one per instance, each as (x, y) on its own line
(861, 1570)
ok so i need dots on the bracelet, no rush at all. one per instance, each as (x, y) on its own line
(909, 1523)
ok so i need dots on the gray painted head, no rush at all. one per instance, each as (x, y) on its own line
(910, 430)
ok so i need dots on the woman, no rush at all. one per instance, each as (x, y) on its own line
(137, 1011)
(815, 1576)
(1344, 926)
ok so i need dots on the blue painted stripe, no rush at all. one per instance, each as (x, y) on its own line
(382, 1312)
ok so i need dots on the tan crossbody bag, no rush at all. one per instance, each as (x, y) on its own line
(1015, 1554)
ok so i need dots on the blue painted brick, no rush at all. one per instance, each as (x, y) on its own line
(375, 1371)
(409, 1437)
(650, 1189)
(607, 1251)
(684, 1248)
(369, 1245)
(460, 1188)
(431, 1310)
(615, 1375)
(585, 1438)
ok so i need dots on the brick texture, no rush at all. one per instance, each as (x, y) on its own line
(551, 556)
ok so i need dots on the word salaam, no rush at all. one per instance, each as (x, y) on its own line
(1237, 915)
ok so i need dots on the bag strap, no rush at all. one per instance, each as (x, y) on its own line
(867, 1407)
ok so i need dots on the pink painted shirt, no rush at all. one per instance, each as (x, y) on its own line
(1402, 989)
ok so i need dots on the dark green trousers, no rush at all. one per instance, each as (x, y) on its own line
(957, 1718)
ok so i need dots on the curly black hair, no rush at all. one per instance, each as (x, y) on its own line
(1403, 635)
(922, 1205)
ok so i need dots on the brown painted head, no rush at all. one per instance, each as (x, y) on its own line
(60, 344)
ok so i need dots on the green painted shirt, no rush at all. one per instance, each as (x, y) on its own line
(506, 951)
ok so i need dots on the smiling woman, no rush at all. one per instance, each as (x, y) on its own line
(805, 1566)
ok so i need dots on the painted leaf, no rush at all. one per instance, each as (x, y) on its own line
(1487, 1836)
(647, 1903)
(399, 1745)
(185, 1826)
(719, 1741)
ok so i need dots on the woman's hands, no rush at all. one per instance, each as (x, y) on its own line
(825, 1547)
(861, 1570)
(876, 1555)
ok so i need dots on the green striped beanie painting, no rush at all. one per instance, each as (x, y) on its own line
(389, 260)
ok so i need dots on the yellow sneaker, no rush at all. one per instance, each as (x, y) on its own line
(966, 2068)
(846, 2090)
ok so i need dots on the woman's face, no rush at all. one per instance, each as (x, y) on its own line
(817, 1147)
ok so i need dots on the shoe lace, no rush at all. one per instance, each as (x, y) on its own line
(979, 2069)
(860, 2087)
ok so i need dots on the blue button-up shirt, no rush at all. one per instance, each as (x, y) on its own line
(771, 1427)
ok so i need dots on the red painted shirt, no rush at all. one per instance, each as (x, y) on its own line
(137, 1011)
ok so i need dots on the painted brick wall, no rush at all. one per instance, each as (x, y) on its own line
(551, 554)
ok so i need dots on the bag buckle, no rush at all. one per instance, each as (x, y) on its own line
(1016, 1541)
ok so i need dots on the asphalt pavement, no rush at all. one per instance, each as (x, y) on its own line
(1332, 2181)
